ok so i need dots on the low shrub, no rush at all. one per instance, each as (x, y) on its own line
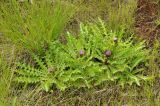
(93, 58)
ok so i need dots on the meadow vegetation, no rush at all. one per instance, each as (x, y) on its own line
(77, 53)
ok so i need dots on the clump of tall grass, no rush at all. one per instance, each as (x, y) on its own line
(121, 15)
(154, 61)
(117, 14)
(5, 81)
(33, 27)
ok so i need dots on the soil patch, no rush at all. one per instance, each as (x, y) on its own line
(146, 14)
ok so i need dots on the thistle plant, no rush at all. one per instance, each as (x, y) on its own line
(107, 56)
(44, 71)
(93, 58)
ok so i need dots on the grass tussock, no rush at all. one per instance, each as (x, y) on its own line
(32, 27)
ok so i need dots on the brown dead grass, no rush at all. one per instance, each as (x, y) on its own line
(146, 14)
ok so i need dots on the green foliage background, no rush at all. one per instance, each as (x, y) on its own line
(42, 62)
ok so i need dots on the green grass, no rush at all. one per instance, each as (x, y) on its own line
(121, 15)
(118, 14)
(33, 27)
(6, 75)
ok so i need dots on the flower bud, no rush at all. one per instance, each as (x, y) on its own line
(107, 53)
(115, 39)
(81, 52)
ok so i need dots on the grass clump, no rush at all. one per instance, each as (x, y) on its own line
(95, 57)
(121, 15)
(117, 14)
(6, 76)
(33, 27)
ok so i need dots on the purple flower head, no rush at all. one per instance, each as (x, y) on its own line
(107, 53)
(81, 52)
